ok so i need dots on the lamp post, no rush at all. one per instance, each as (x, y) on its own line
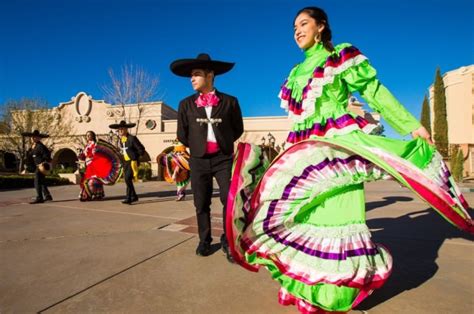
(113, 138)
(271, 140)
(268, 146)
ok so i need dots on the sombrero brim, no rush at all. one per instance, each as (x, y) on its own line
(30, 134)
(183, 67)
(118, 125)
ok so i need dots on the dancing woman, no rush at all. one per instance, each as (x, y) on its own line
(303, 217)
(176, 168)
(103, 166)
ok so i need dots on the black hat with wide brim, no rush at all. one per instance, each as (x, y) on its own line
(122, 124)
(183, 67)
(35, 133)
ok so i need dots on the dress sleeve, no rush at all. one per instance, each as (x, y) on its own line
(82, 155)
(362, 78)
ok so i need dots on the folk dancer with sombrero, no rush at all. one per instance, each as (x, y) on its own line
(209, 122)
(38, 160)
(132, 149)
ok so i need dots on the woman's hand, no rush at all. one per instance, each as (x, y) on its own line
(423, 133)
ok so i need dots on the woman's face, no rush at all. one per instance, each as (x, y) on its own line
(89, 136)
(306, 29)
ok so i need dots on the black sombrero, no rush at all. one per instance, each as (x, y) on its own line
(122, 124)
(35, 133)
(183, 67)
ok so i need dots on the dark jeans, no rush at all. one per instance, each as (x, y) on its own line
(128, 177)
(203, 169)
(40, 185)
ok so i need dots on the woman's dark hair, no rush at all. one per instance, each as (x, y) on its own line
(321, 18)
(94, 137)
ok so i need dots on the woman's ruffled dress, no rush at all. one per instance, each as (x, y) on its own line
(302, 217)
(103, 166)
(176, 168)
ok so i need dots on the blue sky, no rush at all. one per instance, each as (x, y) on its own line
(54, 48)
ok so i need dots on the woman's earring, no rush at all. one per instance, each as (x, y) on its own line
(317, 38)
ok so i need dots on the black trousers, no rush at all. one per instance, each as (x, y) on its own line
(128, 177)
(40, 185)
(203, 169)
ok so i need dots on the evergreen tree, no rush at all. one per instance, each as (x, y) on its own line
(425, 115)
(440, 116)
(453, 161)
(457, 163)
(459, 166)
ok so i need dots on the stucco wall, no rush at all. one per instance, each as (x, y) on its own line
(86, 113)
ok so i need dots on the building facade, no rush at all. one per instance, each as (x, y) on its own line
(157, 125)
(459, 90)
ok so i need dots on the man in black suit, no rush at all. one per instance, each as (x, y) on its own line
(209, 122)
(132, 149)
(39, 158)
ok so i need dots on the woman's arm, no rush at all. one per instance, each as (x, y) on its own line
(362, 78)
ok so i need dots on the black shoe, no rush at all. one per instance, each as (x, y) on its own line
(37, 201)
(134, 199)
(224, 244)
(48, 198)
(226, 250)
(229, 257)
(203, 249)
(127, 201)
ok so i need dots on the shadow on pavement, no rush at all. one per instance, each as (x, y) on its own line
(152, 197)
(388, 200)
(215, 247)
(157, 197)
(414, 240)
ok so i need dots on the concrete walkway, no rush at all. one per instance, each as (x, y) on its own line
(94, 257)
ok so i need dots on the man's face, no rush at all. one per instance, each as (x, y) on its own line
(201, 80)
(35, 139)
(122, 131)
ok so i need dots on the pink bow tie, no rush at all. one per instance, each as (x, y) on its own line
(205, 100)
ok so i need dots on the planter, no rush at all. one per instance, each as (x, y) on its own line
(72, 177)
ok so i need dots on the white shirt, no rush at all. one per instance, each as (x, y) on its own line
(211, 137)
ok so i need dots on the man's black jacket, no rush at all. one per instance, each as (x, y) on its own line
(193, 134)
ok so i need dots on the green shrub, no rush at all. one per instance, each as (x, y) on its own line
(27, 181)
(59, 170)
(144, 171)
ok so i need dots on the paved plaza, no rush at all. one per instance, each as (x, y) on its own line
(68, 256)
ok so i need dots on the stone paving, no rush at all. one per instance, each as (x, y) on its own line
(67, 256)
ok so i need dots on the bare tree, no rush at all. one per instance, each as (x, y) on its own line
(132, 86)
(27, 115)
